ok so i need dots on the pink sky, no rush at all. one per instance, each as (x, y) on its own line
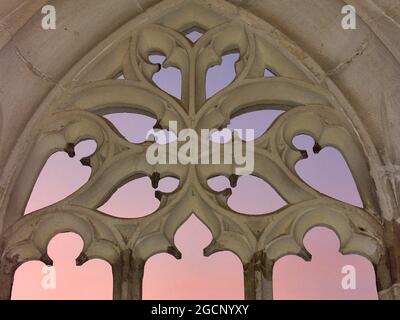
(196, 277)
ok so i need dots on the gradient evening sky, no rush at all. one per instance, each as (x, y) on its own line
(195, 276)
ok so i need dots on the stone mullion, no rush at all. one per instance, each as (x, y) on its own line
(8, 266)
(6, 283)
(258, 278)
(128, 277)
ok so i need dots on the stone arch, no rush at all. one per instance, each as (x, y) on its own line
(61, 94)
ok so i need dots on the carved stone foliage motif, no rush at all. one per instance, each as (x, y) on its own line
(92, 91)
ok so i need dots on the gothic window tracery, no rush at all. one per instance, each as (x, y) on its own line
(120, 76)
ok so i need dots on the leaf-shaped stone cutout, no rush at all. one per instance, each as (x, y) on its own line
(255, 123)
(65, 280)
(219, 183)
(132, 200)
(326, 170)
(61, 176)
(138, 198)
(168, 79)
(251, 195)
(138, 128)
(322, 277)
(168, 184)
(194, 276)
(220, 76)
(258, 121)
(134, 127)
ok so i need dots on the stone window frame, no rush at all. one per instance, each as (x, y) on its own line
(314, 106)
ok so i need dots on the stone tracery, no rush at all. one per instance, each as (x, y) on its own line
(90, 90)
